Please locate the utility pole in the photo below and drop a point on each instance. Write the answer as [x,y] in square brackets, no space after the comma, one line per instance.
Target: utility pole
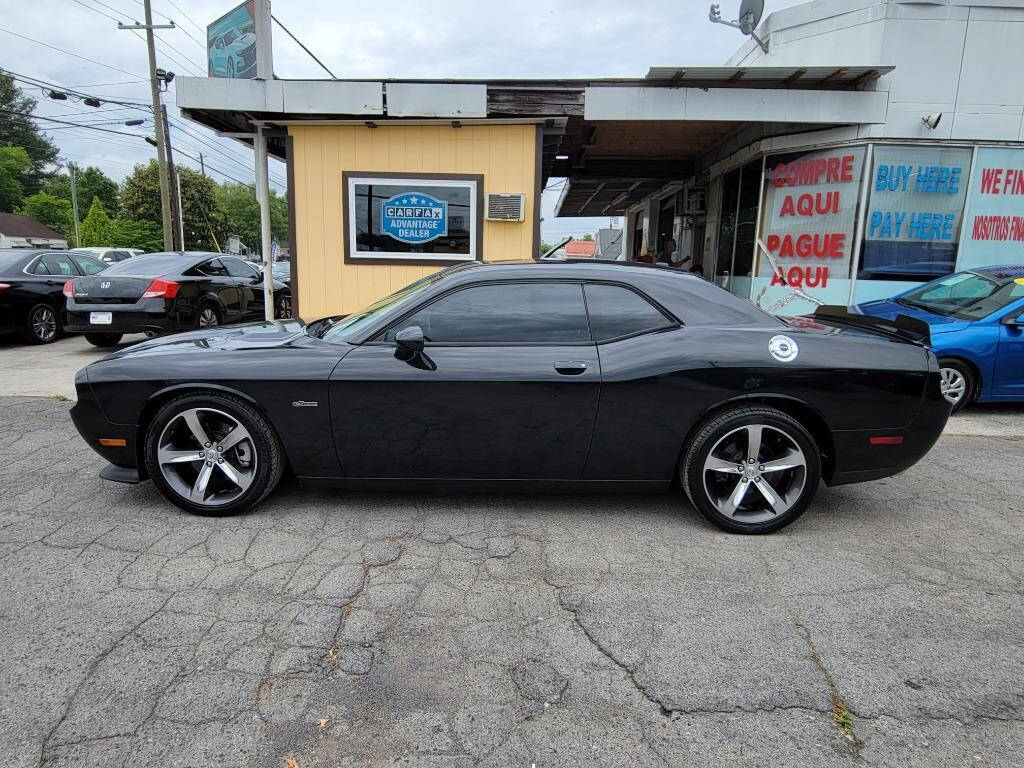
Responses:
[259,146]
[158,118]
[178,243]
[74,204]
[181,216]
[202,166]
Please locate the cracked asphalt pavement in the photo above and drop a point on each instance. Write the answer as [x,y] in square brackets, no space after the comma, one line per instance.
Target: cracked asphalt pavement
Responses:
[329,628]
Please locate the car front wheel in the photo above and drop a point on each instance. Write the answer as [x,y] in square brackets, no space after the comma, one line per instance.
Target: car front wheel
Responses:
[213,454]
[957,383]
[751,470]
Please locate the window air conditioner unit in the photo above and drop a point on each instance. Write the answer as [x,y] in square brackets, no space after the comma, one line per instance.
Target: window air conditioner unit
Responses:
[505,207]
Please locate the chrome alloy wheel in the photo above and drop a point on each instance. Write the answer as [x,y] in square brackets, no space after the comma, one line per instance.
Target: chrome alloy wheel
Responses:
[755,473]
[207,317]
[44,324]
[953,385]
[206,456]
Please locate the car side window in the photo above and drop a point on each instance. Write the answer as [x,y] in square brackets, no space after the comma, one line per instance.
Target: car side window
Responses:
[90,266]
[504,313]
[212,268]
[616,312]
[58,264]
[238,268]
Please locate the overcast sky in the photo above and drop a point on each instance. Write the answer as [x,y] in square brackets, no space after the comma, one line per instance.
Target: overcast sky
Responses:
[442,38]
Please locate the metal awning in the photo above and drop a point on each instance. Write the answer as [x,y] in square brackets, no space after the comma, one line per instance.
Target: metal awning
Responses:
[832,76]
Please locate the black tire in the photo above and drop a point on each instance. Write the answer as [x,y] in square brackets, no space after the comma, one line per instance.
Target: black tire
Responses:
[202,309]
[967,376]
[283,306]
[43,325]
[781,426]
[103,339]
[269,454]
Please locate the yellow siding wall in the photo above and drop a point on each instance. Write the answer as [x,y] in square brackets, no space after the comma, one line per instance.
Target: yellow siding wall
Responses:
[504,154]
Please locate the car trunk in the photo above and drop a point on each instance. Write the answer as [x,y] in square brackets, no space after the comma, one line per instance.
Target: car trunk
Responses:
[110,290]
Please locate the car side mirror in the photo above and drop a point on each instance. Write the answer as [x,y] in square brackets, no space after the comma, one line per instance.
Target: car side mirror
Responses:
[410,340]
[1014,321]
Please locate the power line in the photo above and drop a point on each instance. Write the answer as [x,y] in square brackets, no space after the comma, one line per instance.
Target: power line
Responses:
[35,81]
[185,31]
[311,54]
[242,162]
[187,17]
[69,53]
[65,122]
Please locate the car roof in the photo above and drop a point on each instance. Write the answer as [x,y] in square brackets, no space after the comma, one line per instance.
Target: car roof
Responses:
[1004,273]
[590,269]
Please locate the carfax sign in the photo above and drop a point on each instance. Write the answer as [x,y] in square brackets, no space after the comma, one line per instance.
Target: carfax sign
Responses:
[414,217]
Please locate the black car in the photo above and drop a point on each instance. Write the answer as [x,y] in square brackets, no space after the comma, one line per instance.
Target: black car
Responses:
[537,375]
[162,293]
[31,284]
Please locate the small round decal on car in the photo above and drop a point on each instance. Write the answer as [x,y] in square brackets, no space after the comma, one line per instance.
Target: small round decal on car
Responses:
[783,348]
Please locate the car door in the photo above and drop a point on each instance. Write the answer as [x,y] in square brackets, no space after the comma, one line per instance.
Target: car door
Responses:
[250,286]
[219,282]
[1008,376]
[51,271]
[506,387]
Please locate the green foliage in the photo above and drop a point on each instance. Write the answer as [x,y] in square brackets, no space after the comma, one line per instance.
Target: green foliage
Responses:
[18,130]
[147,235]
[587,236]
[14,162]
[140,193]
[51,211]
[91,182]
[242,214]
[98,229]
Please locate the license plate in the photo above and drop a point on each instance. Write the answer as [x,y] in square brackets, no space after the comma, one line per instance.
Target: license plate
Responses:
[101,318]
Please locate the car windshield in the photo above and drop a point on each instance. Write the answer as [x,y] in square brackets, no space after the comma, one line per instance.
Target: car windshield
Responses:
[346,328]
[150,265]
[964,295]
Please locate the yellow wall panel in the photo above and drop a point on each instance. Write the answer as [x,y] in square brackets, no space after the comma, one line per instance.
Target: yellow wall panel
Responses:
[504,154]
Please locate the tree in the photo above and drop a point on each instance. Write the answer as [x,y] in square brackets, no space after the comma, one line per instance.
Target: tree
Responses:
[18,130]
[147,235]
[14,162]
[204,221]
[98,228]
[51,211]
[91,182]
[587,236]
[242,214]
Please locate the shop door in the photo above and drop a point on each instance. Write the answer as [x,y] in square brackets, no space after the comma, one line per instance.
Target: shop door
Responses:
[666,222]
[741,192]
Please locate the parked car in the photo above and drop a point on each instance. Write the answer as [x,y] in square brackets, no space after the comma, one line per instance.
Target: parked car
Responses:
[31,301]
[109,255]
[977,331]
[283,272]
[535,375]
[167,292]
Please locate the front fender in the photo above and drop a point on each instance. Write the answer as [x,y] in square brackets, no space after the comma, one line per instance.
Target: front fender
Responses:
[977,345]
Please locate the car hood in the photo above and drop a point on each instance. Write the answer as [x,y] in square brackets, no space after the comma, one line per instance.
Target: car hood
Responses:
[265,335]
[889,309]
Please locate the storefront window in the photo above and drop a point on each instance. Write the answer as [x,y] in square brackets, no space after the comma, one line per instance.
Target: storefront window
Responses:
[808,222]
[994,224]
[915,208]
[395,217]
[727,227]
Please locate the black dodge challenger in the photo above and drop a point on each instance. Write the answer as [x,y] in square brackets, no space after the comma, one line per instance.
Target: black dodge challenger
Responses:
[534,375]
[166,292]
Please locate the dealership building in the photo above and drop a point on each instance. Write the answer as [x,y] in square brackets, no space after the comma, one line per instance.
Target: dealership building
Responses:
[875,144]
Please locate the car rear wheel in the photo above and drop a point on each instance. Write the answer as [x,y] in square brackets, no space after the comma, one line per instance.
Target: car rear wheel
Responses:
[283,306]
[207,317]
[213,454]
[43,326]
[751,470]
[103,339]
[957,383]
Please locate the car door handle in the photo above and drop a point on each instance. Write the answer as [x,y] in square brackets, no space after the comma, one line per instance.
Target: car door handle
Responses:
[570,367]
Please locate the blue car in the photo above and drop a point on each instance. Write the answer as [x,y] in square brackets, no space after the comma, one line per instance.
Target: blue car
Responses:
[977,326]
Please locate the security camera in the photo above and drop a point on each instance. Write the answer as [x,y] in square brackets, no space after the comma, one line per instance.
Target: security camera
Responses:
[932,120]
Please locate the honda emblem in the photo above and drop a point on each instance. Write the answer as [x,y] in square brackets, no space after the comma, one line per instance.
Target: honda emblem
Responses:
[105,284]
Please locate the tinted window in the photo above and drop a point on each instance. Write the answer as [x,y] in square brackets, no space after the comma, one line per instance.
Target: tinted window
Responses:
[212,268]
[57,264]
[506,313]
[616,311]
[90,266]
[9,258]
[238,268]
[150,265]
